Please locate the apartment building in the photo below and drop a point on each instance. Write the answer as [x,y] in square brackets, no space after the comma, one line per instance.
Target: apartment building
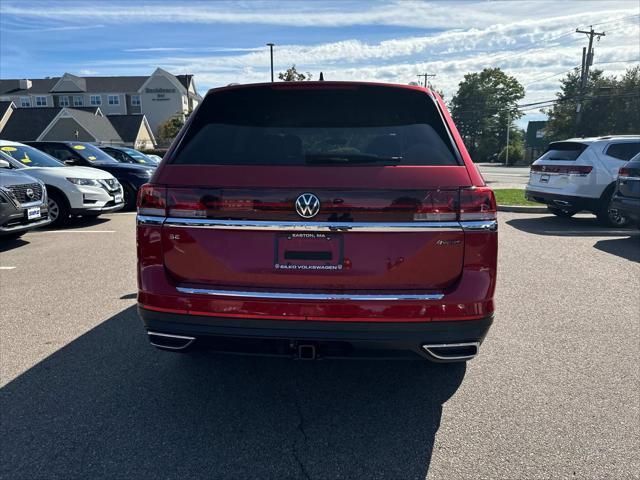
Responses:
[158,96]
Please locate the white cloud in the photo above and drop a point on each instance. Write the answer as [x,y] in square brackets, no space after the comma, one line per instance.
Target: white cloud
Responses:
[536,51]
[416,14]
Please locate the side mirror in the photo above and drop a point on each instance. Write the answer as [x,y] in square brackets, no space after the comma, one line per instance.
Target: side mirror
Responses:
[4,164]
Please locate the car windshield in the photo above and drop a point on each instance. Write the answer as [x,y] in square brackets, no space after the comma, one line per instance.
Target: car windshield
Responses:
[25,156]
[351,125]
[139,157]
[92,154]
[563,151]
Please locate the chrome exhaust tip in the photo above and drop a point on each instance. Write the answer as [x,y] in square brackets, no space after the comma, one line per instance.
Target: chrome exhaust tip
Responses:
[168,341]
[452,352]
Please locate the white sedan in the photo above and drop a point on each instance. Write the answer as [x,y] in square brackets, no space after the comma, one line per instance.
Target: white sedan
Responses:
[71,190]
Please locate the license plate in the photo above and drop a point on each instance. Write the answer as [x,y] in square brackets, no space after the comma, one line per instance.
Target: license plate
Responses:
[117,198]
[544,178]
[308,251]
[33,213]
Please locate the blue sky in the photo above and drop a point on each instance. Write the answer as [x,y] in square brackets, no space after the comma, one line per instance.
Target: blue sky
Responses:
[392,41]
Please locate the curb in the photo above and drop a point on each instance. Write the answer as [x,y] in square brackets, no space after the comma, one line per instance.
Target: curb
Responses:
[522,209]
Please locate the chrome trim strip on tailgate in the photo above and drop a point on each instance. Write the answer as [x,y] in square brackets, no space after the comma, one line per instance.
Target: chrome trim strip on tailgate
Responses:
[484,225]
[312,226]
[149,220]
[310,296]
[275,225]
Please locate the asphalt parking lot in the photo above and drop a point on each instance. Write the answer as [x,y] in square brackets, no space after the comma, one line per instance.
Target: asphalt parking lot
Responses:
[555,392]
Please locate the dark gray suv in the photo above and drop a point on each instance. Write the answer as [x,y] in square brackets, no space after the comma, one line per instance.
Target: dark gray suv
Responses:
[23,202]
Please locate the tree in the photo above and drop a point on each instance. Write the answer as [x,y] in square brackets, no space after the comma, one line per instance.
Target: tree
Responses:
[292,75]
[610,106]
[516,148]
[168,130]
[484,106]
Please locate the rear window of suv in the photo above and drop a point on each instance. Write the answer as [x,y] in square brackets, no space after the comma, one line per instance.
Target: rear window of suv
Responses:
[352,125]
[564,151]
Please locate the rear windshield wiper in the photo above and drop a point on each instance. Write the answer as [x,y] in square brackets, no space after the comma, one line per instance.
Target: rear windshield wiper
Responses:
[350,158]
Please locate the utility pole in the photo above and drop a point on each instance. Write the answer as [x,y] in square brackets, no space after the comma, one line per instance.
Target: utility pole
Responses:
[587,61]
[426,77]
[506,159]
[270,45]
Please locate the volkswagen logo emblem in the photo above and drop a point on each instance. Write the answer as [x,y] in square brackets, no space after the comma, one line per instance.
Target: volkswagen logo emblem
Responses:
[307,205]
[29,193]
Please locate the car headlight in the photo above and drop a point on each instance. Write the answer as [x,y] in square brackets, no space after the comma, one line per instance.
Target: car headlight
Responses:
[84,181]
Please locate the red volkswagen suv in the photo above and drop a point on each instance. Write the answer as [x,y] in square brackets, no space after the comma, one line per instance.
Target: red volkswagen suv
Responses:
[318,219]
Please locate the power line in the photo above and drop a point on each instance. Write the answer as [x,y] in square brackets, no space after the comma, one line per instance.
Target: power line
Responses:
[618,19]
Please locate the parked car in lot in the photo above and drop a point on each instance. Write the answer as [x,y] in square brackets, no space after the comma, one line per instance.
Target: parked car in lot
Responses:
[626,198]
[131,177]
[327,219]
[129,155]
[71,190]
[157,158]
[580,174]
[23,202]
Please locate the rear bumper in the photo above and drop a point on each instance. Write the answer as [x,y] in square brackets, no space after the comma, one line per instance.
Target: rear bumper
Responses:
[332,339]
[629,206]
[562,201]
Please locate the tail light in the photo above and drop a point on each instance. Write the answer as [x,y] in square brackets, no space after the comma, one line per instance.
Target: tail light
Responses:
[152,200]
[438,206]
[581,170]
[477,203]
[624,172]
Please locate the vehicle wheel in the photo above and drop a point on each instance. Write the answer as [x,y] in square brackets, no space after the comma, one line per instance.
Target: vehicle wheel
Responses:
[562,212]
[58,209]
[129,197]
[611,217]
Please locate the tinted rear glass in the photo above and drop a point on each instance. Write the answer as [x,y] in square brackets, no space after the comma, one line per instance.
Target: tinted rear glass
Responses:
[563,151]
[362,125]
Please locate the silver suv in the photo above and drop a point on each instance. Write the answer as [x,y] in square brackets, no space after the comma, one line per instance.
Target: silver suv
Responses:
[23,202]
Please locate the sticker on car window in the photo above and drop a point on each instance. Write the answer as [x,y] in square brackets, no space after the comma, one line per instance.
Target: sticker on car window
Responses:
[142,161]
[91,157]
[8,149]
[26,158]
[79,147]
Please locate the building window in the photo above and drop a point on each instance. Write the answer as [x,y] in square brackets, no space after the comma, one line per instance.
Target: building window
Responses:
[114,100]
[41,101]
[63,101]
[78,101]
[96,100]
[25,102]
[135,100]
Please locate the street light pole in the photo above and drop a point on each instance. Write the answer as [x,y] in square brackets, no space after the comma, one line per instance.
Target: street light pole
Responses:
[270,45]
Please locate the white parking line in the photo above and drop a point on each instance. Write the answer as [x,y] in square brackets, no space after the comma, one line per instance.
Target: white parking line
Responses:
[7,268]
